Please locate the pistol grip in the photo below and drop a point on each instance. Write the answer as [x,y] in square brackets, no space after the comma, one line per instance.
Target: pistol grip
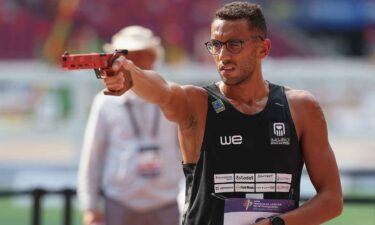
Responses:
[128,83]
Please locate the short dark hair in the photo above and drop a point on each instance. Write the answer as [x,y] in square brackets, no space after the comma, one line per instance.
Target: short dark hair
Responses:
[252,13]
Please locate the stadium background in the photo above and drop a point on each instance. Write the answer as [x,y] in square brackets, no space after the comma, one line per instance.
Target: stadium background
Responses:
[324,46]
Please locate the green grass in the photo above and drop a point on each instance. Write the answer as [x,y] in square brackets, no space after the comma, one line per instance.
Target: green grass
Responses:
[13,213]
[355,214]
[16,214]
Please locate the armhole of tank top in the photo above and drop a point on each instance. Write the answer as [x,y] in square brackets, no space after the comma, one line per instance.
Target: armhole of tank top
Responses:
[210,92]
[289,114]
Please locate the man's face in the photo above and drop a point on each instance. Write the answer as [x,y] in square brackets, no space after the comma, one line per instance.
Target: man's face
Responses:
[235,68]
[144,59]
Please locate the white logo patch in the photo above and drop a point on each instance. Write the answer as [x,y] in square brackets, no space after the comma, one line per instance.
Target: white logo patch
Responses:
[244,177]
[265,187]
[255,195]
[284,177]
[279,129]
[279,133]
[223,178]
[265,177]
[282,187]
[245,187]
[220,188]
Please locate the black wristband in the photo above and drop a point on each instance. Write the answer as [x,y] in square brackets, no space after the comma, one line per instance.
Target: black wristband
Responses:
[276,220]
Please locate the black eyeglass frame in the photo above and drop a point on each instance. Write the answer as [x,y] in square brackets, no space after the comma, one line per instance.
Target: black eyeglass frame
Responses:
[239,41]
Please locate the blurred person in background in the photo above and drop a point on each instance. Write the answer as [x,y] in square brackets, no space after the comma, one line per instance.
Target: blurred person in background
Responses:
[130,150]
[244,140]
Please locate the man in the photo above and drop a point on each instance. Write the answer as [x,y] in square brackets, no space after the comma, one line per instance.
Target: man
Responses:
[130,150]
[244,138]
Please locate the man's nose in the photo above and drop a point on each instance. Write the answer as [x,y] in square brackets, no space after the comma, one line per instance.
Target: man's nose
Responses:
[224,53]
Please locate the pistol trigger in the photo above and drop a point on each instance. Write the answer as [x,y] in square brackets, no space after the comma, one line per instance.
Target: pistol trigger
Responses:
[98,74]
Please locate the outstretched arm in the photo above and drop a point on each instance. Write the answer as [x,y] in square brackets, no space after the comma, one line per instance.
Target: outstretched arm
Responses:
[184,105]
[171,98]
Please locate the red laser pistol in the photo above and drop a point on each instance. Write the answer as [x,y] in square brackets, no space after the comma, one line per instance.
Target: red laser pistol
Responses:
[98,62]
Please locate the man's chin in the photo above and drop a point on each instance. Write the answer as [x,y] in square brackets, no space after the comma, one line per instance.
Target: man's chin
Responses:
[227,80]
[230,82]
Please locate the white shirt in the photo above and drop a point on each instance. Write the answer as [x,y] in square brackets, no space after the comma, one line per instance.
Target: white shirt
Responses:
[111,158]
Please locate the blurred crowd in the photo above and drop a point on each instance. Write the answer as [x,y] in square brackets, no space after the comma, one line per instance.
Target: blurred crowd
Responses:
[45,28]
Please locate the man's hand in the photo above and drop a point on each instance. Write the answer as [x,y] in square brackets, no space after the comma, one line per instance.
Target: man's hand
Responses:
[92,217]
[118,79]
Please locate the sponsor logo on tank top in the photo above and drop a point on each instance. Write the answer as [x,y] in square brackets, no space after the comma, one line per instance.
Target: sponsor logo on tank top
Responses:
[279,133]
[280,187]
[244,187]
[252,182]
[265,177]
[224,178]
[220,188]
[284,177]
[265,187]
[218,106]
[244,177]
[231,140]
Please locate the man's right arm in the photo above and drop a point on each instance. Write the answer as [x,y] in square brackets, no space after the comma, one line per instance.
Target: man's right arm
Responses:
[173,99]
[185,105]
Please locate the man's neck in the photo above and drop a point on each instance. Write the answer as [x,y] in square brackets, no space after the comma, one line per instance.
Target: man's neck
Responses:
[248,97]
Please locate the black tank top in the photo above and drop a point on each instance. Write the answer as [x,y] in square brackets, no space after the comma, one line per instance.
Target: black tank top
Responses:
[243,155]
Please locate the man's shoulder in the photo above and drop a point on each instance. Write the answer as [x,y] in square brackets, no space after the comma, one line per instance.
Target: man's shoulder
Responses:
[193,88]
[304,107]
[195,92]
[301,100]
[298,94]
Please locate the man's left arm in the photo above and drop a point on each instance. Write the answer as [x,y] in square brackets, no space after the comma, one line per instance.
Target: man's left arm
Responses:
[320,163]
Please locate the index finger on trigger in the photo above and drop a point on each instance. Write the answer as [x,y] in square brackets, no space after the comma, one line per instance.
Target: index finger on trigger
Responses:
[118,63]
[103,74]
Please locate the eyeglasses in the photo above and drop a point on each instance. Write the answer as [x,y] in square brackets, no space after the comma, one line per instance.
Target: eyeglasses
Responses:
[233,45]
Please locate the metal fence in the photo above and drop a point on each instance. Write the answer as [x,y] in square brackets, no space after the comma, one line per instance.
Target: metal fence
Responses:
[38,194]
[68,195]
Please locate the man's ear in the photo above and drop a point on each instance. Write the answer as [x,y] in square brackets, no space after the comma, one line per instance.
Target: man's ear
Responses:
[265,48]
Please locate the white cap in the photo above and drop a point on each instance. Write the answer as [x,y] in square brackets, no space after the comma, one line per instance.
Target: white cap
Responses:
[135,38]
